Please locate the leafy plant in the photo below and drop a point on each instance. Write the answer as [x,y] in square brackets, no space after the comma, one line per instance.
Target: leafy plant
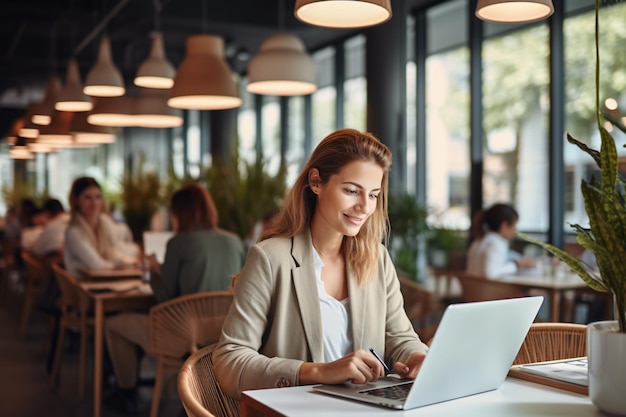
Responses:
[605,204]
[141,197]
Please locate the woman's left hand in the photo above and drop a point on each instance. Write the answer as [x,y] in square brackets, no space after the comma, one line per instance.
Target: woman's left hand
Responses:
[411,367]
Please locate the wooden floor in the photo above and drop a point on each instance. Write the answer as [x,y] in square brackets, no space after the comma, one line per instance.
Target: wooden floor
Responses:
[25,389]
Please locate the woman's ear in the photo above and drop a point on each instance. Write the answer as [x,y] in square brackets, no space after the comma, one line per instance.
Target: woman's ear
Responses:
[314,179]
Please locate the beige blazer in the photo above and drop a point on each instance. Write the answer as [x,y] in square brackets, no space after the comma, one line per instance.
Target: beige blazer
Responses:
[274,324]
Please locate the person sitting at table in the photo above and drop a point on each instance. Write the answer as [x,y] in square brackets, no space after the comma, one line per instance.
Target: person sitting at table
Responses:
[199,257]
[92,240]
[490,254]
[319,289]
[52,237]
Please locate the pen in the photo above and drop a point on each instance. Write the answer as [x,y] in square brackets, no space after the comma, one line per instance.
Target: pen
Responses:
[382,362]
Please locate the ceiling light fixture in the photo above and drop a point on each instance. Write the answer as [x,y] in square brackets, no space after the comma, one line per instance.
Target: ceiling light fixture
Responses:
[43,110]
[151,110]
[20,150]
[203,80]
[113,112]
[282,68]
[29,129]
[57,133]
[514,11]
[104,79]
[85,132]
[38,147]
[156,71]
[71,97]
[343,13]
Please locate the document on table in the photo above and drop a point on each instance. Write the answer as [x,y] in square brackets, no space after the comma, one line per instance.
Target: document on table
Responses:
[573,370]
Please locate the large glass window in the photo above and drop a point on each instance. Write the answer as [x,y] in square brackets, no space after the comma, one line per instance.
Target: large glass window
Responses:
[270,114]
[324,99]
[246,126]
[516,105]
[355,84]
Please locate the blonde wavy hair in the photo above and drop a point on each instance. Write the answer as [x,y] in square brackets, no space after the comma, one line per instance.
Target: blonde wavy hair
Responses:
[329,157]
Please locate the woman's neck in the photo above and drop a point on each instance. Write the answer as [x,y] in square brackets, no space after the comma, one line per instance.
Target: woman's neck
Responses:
[326,242]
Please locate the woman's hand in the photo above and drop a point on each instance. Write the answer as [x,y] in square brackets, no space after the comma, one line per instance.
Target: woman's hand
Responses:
[411,367]
[359,367]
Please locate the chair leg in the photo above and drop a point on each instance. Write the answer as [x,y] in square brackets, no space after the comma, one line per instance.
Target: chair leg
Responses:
[27,309]
[54,375]
[82,360]
[158,388]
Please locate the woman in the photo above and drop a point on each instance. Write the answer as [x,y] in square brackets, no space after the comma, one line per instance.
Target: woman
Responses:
[319,289]
[199,257]
[92,238]
[489,254]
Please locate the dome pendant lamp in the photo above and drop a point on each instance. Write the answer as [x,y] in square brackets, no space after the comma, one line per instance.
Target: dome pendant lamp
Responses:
[104,79]
[152,110]
[71,96]
[282,68]
[514,11]
[203,80]
[42,112]
[57,133]
[343,13]
[156,71]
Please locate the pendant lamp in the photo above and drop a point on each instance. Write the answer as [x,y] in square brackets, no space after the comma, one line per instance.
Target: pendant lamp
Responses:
[113,111]
[38,147]
[20,150]
[43,110]
[57,133]
[104,79]
[84,132]
[282,68]
[156,71]
[29,130]
[514,11]
[151,110]
[71,96]
[203,80]
[343,13]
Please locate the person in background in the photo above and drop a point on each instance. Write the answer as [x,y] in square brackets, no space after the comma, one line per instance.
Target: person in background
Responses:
[490,254]
[91,237]
[199,257]
[52,238]
[319,289]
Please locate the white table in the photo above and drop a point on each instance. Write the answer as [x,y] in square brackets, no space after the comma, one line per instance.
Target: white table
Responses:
[514,398]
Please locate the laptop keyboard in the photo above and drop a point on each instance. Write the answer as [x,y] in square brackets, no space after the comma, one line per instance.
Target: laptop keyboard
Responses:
[392,392]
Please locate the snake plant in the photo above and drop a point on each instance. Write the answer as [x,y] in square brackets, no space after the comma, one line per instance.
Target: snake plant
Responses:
[605,204]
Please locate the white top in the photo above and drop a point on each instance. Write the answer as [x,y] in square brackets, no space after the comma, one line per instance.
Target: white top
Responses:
[53,236]
[335,318]
[490,256]
[514,398]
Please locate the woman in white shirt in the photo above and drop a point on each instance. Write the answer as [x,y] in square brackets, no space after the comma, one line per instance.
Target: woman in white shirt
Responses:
[489,254]
[92,239]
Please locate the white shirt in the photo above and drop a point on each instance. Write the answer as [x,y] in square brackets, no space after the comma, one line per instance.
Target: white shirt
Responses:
[53,236]
[335,318]
[490,256]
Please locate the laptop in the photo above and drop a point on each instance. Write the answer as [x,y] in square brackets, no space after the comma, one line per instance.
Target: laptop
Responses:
[155,243]
[471,352]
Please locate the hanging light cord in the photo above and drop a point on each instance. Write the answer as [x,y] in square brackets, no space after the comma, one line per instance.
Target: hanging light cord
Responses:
[96,30]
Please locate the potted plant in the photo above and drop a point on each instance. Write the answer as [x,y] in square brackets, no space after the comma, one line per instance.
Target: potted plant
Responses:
[605,204]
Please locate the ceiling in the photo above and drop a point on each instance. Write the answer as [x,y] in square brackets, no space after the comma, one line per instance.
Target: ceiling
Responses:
[38,36]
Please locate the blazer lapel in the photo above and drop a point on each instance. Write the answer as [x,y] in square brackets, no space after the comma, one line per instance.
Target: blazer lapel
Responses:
[305,285]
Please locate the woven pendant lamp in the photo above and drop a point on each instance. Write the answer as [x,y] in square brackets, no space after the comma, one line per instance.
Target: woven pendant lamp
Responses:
[282,68]
[343,13]
[203,80]
[514,11]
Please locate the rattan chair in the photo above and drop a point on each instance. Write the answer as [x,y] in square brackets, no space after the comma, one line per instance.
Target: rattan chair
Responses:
[199,391]
[38,272]
[73,315]
[481,288]
[179,327]
[553,341]
[421,305]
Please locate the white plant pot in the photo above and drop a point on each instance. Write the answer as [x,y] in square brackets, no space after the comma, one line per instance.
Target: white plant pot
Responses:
[606,351]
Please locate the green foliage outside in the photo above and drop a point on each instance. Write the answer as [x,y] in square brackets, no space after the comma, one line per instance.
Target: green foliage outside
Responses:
[14,195]
[605,204]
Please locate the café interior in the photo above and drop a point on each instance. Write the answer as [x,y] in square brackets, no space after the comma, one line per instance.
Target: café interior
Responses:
[475,107]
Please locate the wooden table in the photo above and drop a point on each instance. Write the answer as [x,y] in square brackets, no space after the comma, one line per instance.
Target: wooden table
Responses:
[515,398]
[106,296]
[554,285]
